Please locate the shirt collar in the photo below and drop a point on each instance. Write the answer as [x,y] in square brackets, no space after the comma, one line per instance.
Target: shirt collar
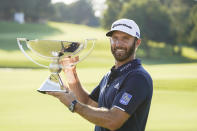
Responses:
[126,67]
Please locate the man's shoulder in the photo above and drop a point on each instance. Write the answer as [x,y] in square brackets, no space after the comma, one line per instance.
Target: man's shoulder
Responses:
[140,71]
[140,75]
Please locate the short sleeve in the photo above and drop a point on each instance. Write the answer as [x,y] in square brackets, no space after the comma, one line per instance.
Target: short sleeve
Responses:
[134,92]
[95,93]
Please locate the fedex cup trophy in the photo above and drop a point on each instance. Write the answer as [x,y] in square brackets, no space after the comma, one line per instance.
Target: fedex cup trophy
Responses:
[54,51]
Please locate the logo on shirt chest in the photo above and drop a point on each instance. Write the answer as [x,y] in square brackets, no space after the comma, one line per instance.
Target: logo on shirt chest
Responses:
[117,86]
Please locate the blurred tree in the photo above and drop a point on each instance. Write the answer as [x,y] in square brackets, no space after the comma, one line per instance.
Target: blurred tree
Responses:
[193,24]
[112,12]
[34,10]
[83,13]
[7,9]
[179,11]
[79,12]
[189,3]
[62,12]
[39,10]
[153,20]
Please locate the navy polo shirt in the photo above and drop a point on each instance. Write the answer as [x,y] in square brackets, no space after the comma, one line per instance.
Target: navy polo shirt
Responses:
[128,88]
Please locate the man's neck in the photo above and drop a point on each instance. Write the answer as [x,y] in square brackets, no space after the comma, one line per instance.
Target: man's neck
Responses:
[120,63]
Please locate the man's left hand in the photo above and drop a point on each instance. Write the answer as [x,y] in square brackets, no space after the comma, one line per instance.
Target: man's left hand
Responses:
[65,98]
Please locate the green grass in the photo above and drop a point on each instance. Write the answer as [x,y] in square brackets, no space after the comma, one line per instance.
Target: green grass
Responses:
[22,108]
[173,111]
[175,76]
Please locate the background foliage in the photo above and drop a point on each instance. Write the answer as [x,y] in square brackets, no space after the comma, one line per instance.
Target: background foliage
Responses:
[170,21]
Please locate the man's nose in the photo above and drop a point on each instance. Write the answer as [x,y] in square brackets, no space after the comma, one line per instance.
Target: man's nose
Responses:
[119,43]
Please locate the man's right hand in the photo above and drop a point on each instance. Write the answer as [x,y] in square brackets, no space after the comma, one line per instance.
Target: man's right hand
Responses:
[74,83]
[69,68]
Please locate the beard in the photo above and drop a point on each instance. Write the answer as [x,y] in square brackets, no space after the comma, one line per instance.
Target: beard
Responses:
[124,54]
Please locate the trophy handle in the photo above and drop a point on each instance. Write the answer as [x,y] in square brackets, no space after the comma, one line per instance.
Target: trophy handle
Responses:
[27,56]
[86,55]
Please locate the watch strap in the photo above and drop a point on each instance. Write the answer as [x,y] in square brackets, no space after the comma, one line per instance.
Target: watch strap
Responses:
[72,105]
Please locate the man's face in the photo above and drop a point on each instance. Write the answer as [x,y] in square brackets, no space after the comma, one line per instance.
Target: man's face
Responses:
[122,46]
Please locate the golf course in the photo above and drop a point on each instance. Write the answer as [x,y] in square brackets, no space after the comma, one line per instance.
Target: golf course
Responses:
[22,108]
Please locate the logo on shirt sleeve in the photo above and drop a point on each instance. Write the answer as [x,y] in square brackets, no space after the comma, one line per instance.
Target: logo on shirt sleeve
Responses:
[126,97]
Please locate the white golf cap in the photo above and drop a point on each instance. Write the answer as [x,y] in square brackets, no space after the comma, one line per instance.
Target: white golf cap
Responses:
[126,26]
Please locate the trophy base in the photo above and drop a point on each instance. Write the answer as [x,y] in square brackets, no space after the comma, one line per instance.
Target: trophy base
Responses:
[49,86]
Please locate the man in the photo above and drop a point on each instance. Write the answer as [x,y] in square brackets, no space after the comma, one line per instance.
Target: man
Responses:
[122,100]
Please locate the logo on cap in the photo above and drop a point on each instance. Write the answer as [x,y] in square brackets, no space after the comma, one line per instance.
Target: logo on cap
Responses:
[137,34]
[115,25]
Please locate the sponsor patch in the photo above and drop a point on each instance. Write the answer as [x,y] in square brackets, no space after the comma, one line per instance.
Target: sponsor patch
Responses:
[126,97]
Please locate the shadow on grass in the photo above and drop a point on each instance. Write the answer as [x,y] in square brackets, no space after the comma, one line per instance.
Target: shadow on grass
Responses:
[10,31]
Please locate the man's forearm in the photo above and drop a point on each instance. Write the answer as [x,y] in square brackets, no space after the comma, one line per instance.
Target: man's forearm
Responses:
[99,116]
[81,94]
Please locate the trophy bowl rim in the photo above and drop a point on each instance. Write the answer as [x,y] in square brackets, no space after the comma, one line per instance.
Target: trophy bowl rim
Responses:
[55,40]
[54,57]
[45,40]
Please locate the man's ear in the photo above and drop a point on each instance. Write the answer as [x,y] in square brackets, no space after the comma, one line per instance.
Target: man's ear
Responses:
[138,42]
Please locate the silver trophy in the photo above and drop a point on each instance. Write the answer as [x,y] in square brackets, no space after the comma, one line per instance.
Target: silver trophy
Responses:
[53,51]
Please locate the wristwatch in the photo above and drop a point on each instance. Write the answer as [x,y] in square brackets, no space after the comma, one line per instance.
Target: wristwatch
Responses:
[72,105]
